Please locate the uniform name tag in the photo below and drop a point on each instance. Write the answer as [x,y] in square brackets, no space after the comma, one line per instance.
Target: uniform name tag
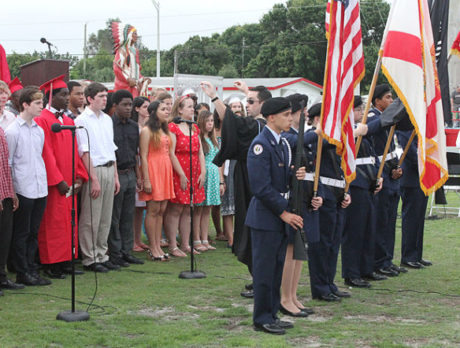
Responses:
[280,164]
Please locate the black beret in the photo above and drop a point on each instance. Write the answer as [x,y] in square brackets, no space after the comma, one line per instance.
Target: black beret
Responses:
[380,91]
[274,106]
[358,101]
[296,101]
[314,111]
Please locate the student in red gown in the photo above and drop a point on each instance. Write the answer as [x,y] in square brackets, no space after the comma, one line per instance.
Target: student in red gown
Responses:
[54,236]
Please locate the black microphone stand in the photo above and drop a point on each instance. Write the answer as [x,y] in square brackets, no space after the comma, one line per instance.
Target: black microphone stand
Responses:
[73,315]
[192,274]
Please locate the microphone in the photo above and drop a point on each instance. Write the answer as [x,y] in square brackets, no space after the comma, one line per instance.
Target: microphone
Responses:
[178,120]
[56,127]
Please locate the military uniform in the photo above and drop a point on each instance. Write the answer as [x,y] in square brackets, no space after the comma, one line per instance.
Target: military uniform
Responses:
[269,172]
[323,254]
[388,200]
[358,238]
[414,204]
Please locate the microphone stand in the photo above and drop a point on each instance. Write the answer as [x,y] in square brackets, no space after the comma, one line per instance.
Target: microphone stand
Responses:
[73,315]
[192,274]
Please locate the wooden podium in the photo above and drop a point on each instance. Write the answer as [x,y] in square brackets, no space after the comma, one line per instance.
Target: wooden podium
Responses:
[39,71]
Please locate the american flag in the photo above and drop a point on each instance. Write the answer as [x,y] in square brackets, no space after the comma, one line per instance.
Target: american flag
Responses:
[344,70]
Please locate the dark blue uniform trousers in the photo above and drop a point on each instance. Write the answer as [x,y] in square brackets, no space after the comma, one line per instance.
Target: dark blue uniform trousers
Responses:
[268,254]
[358,238]
[414,204]
[387,211]
[322,255]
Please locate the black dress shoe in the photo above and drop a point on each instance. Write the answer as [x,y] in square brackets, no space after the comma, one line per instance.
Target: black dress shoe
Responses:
[388,271]
[307,310]
[119,261]
[328,298]
[426,262]
[398,269]
[284,324]
[357,283]
[270,328]
[10,285]
[375,276]
[96,267]
[132,259]
[110,266]
[68,270]
[54,274]
[299,314]
[343,294]
[41,281]
[249,287]
[26,279]
[247,293]
[413,264]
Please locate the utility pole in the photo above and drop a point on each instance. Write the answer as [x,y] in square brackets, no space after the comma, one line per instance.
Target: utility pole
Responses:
[242,58]
[157,6]
[85,55]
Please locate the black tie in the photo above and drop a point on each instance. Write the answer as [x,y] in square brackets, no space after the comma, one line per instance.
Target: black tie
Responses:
[59,114]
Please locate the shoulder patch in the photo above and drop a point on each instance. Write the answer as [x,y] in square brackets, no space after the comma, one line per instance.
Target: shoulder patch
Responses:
[258,149]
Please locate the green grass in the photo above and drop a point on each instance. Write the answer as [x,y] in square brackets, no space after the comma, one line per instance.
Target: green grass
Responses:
[149,306]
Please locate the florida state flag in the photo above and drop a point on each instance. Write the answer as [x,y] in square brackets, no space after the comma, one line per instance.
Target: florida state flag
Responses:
[456,46]
[409,63]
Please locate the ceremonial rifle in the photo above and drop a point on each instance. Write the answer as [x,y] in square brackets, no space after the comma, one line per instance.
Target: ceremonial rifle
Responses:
[297,192]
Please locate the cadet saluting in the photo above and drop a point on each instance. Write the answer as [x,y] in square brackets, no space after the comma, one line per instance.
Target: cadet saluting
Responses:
[269,171]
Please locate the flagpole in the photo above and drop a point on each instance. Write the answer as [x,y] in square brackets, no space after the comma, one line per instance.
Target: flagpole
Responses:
[406,149]
[385,152]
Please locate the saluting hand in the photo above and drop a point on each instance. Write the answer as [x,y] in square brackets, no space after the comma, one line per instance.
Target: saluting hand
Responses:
[295,221]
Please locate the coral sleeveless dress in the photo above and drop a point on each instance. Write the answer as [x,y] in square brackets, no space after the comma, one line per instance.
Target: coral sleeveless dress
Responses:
[182,154]
[160,173]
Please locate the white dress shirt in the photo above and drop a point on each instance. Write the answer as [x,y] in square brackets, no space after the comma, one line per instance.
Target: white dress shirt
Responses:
[25,146]
[100,129]
[6,119]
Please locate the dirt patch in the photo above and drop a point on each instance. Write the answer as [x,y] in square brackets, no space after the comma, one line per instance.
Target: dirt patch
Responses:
[234,324]
[383,319]
[165,313]
[207,308]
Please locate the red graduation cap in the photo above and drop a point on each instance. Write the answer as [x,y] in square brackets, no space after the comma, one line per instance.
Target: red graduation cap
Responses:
[15,85]
[55,83]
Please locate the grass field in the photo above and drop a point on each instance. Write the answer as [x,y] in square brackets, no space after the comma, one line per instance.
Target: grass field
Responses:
[149,306]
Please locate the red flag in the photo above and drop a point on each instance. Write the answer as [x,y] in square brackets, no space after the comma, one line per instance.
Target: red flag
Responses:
[409,63]
[456,46]
[344,70]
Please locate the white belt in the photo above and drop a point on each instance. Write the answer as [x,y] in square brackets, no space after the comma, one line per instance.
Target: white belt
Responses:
[309,177]
[332,182]
[285,195]
[390,156]
[365,160]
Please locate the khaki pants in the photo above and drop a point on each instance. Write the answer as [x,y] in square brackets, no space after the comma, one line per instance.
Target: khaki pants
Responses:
[93,236]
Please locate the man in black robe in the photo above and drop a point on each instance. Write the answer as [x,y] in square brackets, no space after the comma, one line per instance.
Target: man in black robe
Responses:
[237,135]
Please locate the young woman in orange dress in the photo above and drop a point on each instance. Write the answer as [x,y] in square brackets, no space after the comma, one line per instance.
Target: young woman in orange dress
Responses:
[157,152]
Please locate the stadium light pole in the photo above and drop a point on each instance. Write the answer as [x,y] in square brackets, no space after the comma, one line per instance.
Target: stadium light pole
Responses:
[157,7]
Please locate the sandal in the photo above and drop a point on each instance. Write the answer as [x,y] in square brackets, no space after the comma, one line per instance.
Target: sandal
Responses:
[164,243]
[177,252]
[221,237]
[152,257]
[199,246]
[187,251]
[207,245]
[138,249]
[144,246]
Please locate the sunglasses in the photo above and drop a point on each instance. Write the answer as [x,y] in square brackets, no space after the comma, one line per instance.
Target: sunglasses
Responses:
[251,101]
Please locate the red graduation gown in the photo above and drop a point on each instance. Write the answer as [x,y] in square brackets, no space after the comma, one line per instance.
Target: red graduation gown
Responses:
[54,236]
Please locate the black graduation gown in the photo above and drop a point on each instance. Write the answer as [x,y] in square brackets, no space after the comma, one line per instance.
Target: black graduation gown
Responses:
[237,136]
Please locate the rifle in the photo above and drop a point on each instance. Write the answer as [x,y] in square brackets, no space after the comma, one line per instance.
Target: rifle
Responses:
[300,244]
